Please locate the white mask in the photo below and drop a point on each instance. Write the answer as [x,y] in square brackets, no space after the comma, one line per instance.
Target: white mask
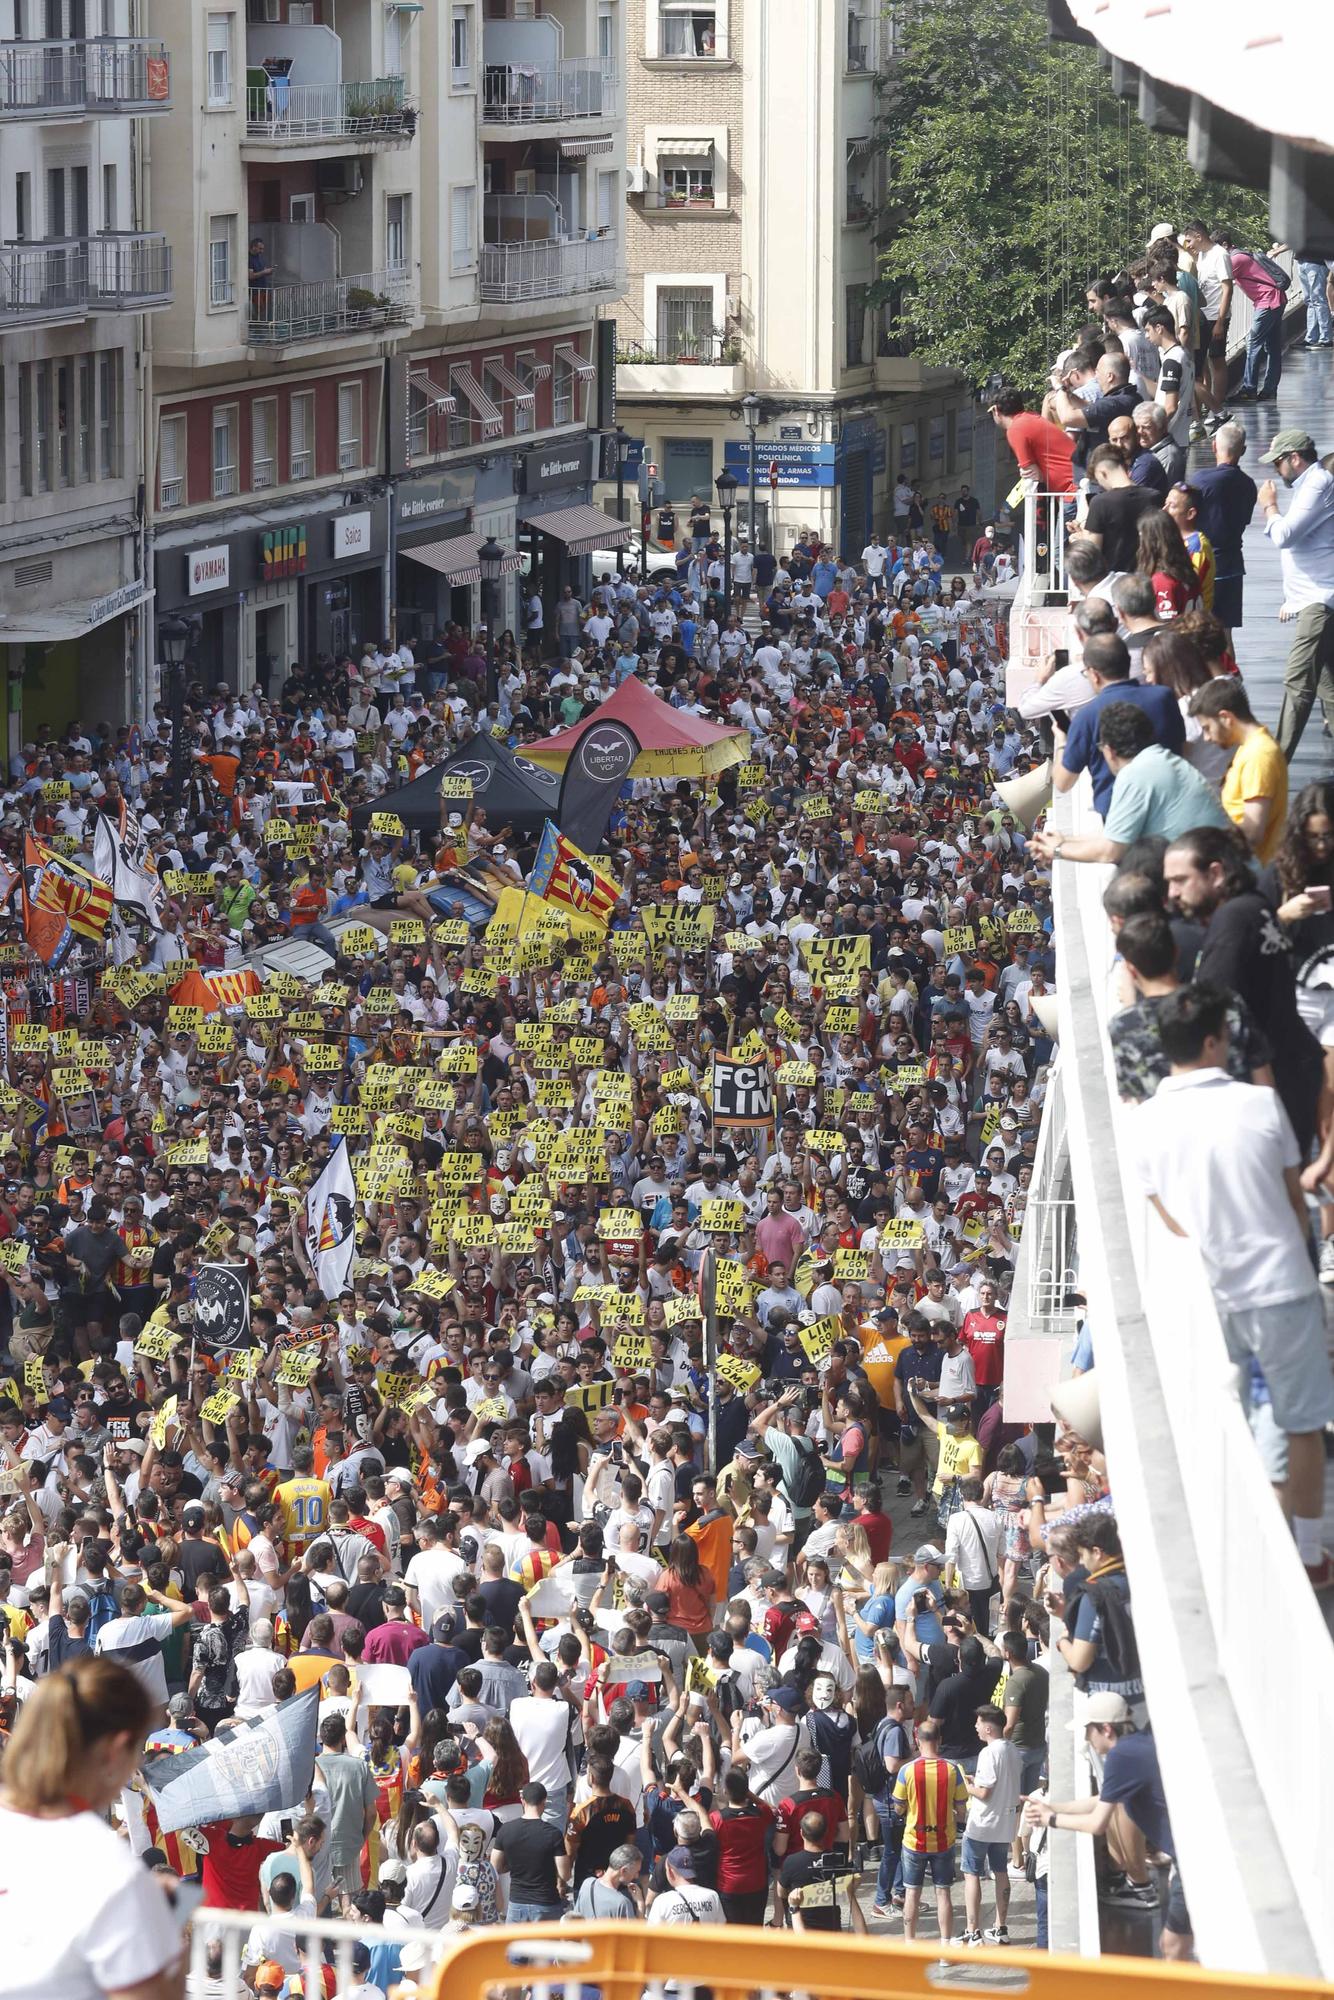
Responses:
[824,1689]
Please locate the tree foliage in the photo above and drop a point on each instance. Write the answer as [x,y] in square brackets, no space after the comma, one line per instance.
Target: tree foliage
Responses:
[1014,175]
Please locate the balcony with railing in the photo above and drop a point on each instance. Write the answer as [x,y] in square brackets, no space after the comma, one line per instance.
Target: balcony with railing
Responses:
[551,268]
[370,303]
[103,77]
[41,283]
[128,271]
[300,116]
[698,363]
[571,88]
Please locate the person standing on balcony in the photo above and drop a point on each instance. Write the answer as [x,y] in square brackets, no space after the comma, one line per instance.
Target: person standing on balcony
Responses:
[1304,538]
[1044,452]
[1227,502]
[1221,1164]
[1107,665]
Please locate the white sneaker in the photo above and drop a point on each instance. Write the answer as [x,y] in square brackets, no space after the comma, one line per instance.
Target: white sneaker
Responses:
[1327,1261]
[996,1934]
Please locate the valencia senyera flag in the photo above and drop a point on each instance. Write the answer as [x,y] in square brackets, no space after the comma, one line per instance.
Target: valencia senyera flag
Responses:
[563,873]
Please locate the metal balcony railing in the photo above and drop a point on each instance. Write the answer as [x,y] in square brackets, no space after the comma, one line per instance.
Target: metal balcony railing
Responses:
[553,268]
[296,114]
[366,303]
[107,76]
[535,93]
[859,55]
[128,271]
[43,281]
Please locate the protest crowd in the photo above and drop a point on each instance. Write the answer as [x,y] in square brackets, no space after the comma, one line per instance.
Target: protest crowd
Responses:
[505,1422]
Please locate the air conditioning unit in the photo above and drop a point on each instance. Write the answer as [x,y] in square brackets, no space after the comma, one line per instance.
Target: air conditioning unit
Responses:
[338,179]
[636,178]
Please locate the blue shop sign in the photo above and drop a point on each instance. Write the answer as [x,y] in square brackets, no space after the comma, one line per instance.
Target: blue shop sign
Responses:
[798,464]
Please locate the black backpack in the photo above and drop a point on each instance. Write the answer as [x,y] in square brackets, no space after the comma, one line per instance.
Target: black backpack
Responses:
[808,1482]
[868,1759]
[1277,276]
[1120,1647]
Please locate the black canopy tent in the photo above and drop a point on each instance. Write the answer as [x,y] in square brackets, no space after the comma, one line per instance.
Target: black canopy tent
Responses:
[510,790]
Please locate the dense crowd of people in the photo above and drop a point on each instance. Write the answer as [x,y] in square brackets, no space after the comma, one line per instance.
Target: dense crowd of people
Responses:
[603,1623]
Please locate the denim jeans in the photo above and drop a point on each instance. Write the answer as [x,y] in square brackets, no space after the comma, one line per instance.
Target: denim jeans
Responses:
[557,1808]
[1040,1900]
[534,1913]
[890,1876]
[1319,321]
[1264,352]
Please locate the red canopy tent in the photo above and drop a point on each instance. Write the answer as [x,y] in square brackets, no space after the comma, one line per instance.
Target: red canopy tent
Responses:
[671,743]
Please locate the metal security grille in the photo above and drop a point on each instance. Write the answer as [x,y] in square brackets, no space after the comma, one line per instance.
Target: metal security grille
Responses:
[685,325]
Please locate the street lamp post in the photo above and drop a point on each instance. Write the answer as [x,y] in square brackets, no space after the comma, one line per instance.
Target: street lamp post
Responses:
[173,637]
[750,414]
[726,483]
[622,460]
[491,560]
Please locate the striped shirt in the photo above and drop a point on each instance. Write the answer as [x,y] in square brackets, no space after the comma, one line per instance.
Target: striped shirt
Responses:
[930,1791]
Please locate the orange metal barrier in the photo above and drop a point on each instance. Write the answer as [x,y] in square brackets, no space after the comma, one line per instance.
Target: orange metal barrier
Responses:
[620,1960]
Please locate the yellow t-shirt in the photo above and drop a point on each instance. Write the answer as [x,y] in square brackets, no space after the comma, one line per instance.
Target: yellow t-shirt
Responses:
[305,1505]
[1258,771]
[959,1457]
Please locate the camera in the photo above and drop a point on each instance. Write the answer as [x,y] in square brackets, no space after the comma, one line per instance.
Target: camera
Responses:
[838,1861]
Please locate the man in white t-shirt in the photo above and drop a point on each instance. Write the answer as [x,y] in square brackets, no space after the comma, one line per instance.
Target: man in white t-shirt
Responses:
[1213,275]
[683,1901]
[134,1640]
[989,1829]
[542,1723]
[429,1577]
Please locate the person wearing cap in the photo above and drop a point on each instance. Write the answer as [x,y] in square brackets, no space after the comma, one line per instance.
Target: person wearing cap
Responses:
[685,1900]
[1304,538]
[1129,1812]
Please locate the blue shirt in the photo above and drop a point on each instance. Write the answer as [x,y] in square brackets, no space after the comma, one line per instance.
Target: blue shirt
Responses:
[926,1625]
[880,1613]
[1081,751]
[1304,538]
[1227,501]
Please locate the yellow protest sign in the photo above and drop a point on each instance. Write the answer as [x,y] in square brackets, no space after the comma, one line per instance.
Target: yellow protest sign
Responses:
[155,1344]
[722,1218]
[819,1338]
[295,1369]
[219,1406]
[741,1374]
[795,1075]
[262,1007]
[631,1350]
[841,1020]
[163,1420]
[360,941]
[321,1058]
[853,1265]
[903,1233]
[184,1020]
[188,1153]
[388,825]
[959,937]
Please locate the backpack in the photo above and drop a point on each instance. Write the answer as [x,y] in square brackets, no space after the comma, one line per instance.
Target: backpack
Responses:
[1277,276]
[101,1610]
[808,1482]
[868,1759]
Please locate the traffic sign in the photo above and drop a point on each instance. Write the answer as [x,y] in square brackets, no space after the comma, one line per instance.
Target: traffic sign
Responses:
[773,472]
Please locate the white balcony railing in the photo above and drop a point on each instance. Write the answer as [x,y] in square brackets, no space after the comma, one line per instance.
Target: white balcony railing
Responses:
[551,268]
[283,113]
[118,271]
[1199,1519]
[369,303]
[173,493]
[110,76]
[128,271]
[536,94]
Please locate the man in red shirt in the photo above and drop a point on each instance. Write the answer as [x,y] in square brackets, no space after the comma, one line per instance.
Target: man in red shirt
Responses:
[983,1334]
[742,1825]
[1043,450]
[809,1798]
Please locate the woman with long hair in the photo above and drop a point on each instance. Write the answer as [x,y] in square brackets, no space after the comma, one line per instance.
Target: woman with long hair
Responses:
[1005,1491]
[1162,557]
[508,1772]
[74,1748]
[689,1588]
[1174,661]
[1300,878]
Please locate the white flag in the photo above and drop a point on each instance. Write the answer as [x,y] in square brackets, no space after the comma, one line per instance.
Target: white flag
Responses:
[331,1223]
[123,860]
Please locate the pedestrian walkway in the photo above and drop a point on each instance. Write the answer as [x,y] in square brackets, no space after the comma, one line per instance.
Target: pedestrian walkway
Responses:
[1305,398]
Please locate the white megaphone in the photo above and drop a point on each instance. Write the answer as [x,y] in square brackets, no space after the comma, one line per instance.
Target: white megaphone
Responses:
[1047,1009]
[1076,1403]
[1028,795]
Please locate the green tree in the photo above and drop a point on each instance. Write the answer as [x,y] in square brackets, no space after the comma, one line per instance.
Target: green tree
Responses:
[1014,175]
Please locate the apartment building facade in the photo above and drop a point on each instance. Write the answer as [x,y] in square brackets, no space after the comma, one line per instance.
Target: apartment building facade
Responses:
[398,223]
[747,281]
[82,91]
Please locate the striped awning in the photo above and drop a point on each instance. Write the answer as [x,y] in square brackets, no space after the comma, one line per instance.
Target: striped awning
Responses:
[583,149]
[584,529]
[567,352]
[439,398]
[456,559]
[685,149]
[513,385]
[475,396]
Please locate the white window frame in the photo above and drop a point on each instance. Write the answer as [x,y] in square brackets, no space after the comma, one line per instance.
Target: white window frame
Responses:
[657,149]
[563,375]
[654,36]
[301,208]
[671,281]
[264,464]
[350,437]
[403,228]
[173,427]
[462,24]
[222,234]
[463,258]
[227,475]
[297,469]
[110,414]
[220,80]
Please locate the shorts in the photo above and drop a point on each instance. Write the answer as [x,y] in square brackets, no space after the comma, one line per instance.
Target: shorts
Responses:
[1227,600]
[1206,334]
[985,1857]
[1290,1343]
[916,1865]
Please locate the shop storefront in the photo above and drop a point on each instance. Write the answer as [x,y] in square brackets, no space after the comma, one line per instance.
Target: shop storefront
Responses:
[432,512]
[261,594]
[557,526]
[69,635]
